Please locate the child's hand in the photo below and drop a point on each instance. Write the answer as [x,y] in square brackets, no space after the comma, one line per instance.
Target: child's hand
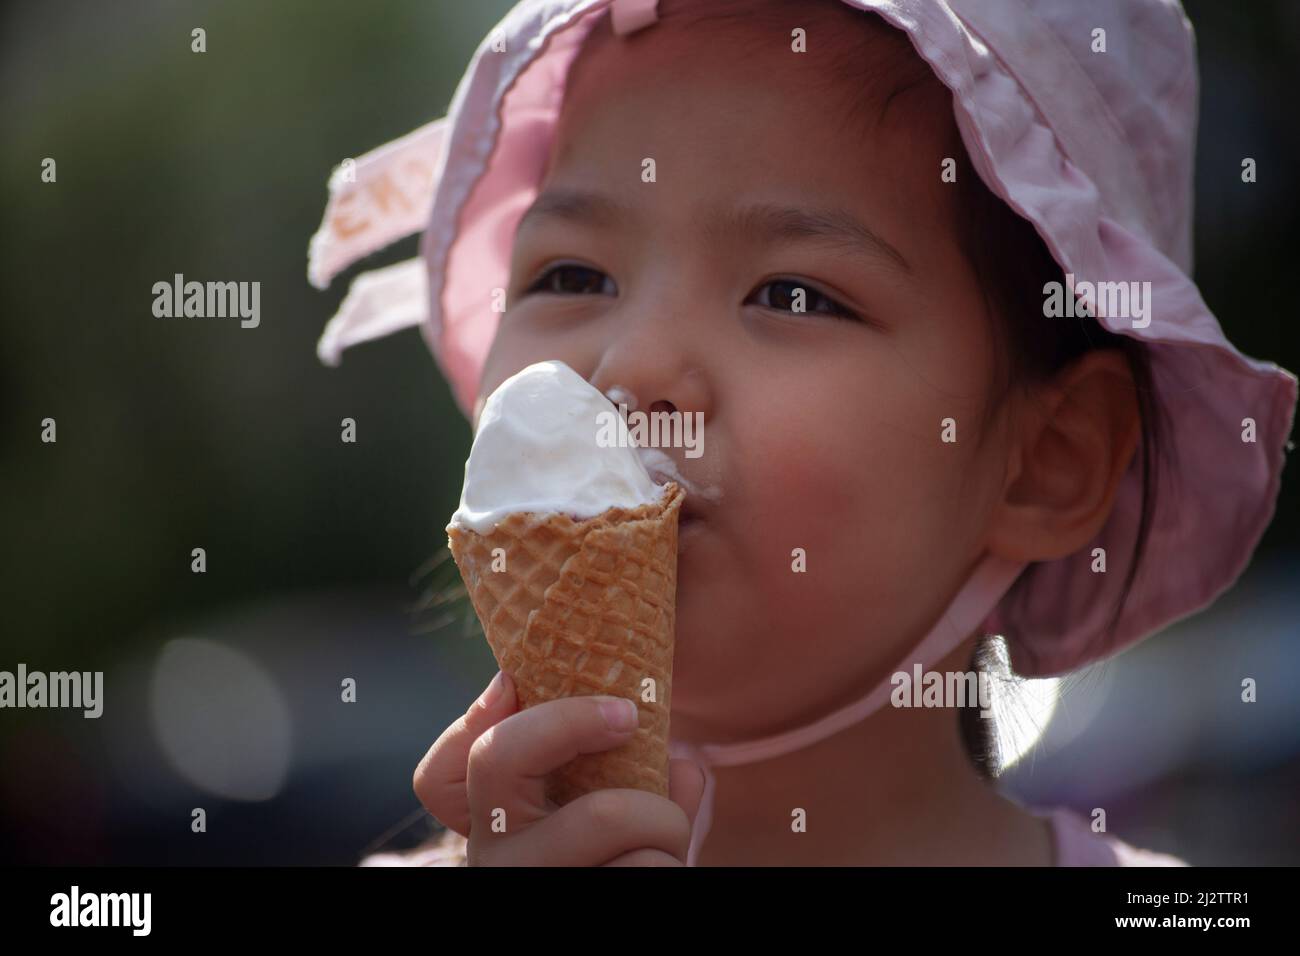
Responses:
[494,760]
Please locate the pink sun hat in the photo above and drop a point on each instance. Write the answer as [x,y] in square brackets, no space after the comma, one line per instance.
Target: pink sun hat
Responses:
[1094,148]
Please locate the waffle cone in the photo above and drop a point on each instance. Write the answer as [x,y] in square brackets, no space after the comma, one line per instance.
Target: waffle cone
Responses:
[584,606]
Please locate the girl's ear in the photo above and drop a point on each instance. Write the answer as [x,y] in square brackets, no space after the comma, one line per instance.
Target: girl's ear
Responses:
[1074,439]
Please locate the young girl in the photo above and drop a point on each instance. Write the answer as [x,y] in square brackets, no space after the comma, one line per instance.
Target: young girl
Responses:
[857,237]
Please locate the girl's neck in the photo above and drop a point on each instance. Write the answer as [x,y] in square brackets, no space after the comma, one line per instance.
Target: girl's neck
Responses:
[896,789]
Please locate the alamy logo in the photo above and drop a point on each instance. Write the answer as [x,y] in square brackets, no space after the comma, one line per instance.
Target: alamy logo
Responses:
[59,689]
[102,909]
[947,689]
[208,300]
[624,429]
[1114,300]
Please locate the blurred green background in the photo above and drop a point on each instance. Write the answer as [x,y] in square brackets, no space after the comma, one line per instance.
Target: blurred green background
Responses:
[181,433]
[176,434]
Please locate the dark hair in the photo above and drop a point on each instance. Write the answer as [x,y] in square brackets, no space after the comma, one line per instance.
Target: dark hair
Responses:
[1014,264]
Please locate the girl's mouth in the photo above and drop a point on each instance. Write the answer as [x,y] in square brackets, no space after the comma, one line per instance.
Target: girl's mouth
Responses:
[690,525]
[690,520]
[688,531]
[661,469]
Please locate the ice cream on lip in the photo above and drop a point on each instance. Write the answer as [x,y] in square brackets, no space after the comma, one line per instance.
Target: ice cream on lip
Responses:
[536,450]
[663,469]
[620,395]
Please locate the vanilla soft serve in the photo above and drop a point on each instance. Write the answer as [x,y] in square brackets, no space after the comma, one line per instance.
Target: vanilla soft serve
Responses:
[537,449]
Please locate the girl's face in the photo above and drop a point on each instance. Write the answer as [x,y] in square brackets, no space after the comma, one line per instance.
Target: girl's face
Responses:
[823,428]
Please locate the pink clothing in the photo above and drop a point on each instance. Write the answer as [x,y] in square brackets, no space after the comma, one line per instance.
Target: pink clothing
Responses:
[448,850]
[1076,844]
[1073,841]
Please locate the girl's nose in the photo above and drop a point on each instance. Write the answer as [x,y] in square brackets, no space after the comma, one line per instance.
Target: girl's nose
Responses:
[652,381]
[659,348]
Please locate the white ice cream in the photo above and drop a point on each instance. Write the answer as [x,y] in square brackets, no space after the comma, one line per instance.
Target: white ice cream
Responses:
[536,449]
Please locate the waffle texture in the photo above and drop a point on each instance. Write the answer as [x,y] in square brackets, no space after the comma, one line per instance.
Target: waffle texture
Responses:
[573,607]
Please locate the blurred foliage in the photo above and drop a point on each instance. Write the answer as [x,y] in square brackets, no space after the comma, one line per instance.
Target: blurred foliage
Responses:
[175,434]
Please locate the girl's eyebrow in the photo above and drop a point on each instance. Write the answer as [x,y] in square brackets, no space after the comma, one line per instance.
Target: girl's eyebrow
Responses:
[775,223]
[576,206]
[767,222]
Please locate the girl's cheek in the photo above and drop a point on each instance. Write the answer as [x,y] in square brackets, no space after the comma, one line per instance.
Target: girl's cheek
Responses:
[852,496]
[805,492]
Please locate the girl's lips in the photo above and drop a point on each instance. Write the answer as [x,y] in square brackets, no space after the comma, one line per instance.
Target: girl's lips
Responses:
[691,519]
[688,530]
[690,512]
[691,504]
[663,469]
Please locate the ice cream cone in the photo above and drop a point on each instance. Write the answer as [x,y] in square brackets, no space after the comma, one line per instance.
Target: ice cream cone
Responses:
[584,606]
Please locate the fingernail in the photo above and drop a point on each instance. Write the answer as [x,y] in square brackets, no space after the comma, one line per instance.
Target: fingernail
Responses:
[619,713]
[493,692]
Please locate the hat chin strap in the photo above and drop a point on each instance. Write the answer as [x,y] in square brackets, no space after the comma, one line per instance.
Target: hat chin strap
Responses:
[969,609]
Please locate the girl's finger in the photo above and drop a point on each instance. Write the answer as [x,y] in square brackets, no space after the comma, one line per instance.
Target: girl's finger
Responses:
[593,829]
[440,779]
[508,763]
[645,857]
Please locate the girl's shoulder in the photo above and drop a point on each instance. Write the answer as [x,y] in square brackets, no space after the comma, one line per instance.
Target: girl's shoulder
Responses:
[446,849]
[1077,844]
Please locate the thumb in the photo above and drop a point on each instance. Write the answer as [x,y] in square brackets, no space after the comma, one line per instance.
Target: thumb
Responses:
[439,780]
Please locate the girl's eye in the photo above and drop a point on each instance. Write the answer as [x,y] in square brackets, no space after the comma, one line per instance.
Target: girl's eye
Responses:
[574,280]
[789,295]
[785,295]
